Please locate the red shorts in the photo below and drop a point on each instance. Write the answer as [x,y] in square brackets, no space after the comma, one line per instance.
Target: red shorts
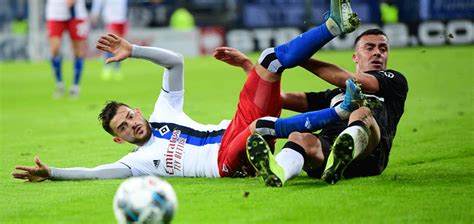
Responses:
[78,29]
[119,29]
[257,99]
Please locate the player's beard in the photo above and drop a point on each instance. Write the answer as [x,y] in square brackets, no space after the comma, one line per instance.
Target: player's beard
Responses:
[145,138]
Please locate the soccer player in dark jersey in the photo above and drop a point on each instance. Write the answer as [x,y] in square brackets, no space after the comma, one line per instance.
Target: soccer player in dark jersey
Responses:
[356,147]
[363,147]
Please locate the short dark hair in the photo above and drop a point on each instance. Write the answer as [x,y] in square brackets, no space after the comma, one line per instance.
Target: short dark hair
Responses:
[108,112]
[374,31]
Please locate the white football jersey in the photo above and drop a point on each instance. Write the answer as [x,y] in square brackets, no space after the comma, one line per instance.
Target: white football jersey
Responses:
[114,11]
[179,146]
[59,11]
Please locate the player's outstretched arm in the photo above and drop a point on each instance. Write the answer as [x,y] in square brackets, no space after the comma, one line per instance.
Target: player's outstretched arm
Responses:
[328,72]
[173,77]
[119,47]
[106,171]
[37,173]
[233,57]
[41,172]
[337,76]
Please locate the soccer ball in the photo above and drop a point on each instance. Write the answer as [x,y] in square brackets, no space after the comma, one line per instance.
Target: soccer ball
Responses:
[146,199]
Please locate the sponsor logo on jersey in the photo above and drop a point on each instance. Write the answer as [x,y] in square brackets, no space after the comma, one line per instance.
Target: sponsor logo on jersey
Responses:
[174,153]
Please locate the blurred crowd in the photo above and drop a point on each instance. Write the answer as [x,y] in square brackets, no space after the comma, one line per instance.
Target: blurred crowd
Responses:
[259,13]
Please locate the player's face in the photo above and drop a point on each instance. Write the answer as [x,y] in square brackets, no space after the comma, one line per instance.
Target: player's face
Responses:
[371,53]
[130,126]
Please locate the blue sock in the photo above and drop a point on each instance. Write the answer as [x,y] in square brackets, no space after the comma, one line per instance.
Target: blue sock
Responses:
[78,66]
[56,63]
[305,122]
[303,47]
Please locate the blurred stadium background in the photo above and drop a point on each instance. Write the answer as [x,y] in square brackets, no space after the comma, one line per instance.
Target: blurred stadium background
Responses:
[249,25]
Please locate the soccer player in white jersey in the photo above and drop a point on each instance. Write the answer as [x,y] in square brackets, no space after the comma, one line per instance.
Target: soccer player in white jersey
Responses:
[114,15]
[70,15]
[170,143]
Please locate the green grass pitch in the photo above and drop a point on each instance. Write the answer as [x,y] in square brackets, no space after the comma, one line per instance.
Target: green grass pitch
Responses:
[429,179]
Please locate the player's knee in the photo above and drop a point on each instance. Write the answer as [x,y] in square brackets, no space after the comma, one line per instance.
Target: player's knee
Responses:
[269,61]
[298,138]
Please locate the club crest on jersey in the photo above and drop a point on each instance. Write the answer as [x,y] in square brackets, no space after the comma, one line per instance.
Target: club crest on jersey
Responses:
[388,74]
[163,130]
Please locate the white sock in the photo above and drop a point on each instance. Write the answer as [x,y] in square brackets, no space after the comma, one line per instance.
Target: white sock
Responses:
[75,88]
[343,114]
[360,136]
[291,161]
[60,85]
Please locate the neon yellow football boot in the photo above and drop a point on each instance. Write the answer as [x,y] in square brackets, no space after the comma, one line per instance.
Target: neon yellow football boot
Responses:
[341,155]
[341,18]
[262,159]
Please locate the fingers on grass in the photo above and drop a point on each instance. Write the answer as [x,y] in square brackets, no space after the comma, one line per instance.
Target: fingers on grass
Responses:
[25,168]
[39,163]
[20,175]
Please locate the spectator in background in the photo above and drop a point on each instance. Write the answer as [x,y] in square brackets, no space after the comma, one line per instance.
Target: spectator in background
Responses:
[388,12]
[114,15]
[70,15]
[182,19]
[19,9]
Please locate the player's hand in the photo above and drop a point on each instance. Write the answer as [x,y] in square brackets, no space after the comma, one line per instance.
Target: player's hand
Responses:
[38,173]
[119,47]
[233,57]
